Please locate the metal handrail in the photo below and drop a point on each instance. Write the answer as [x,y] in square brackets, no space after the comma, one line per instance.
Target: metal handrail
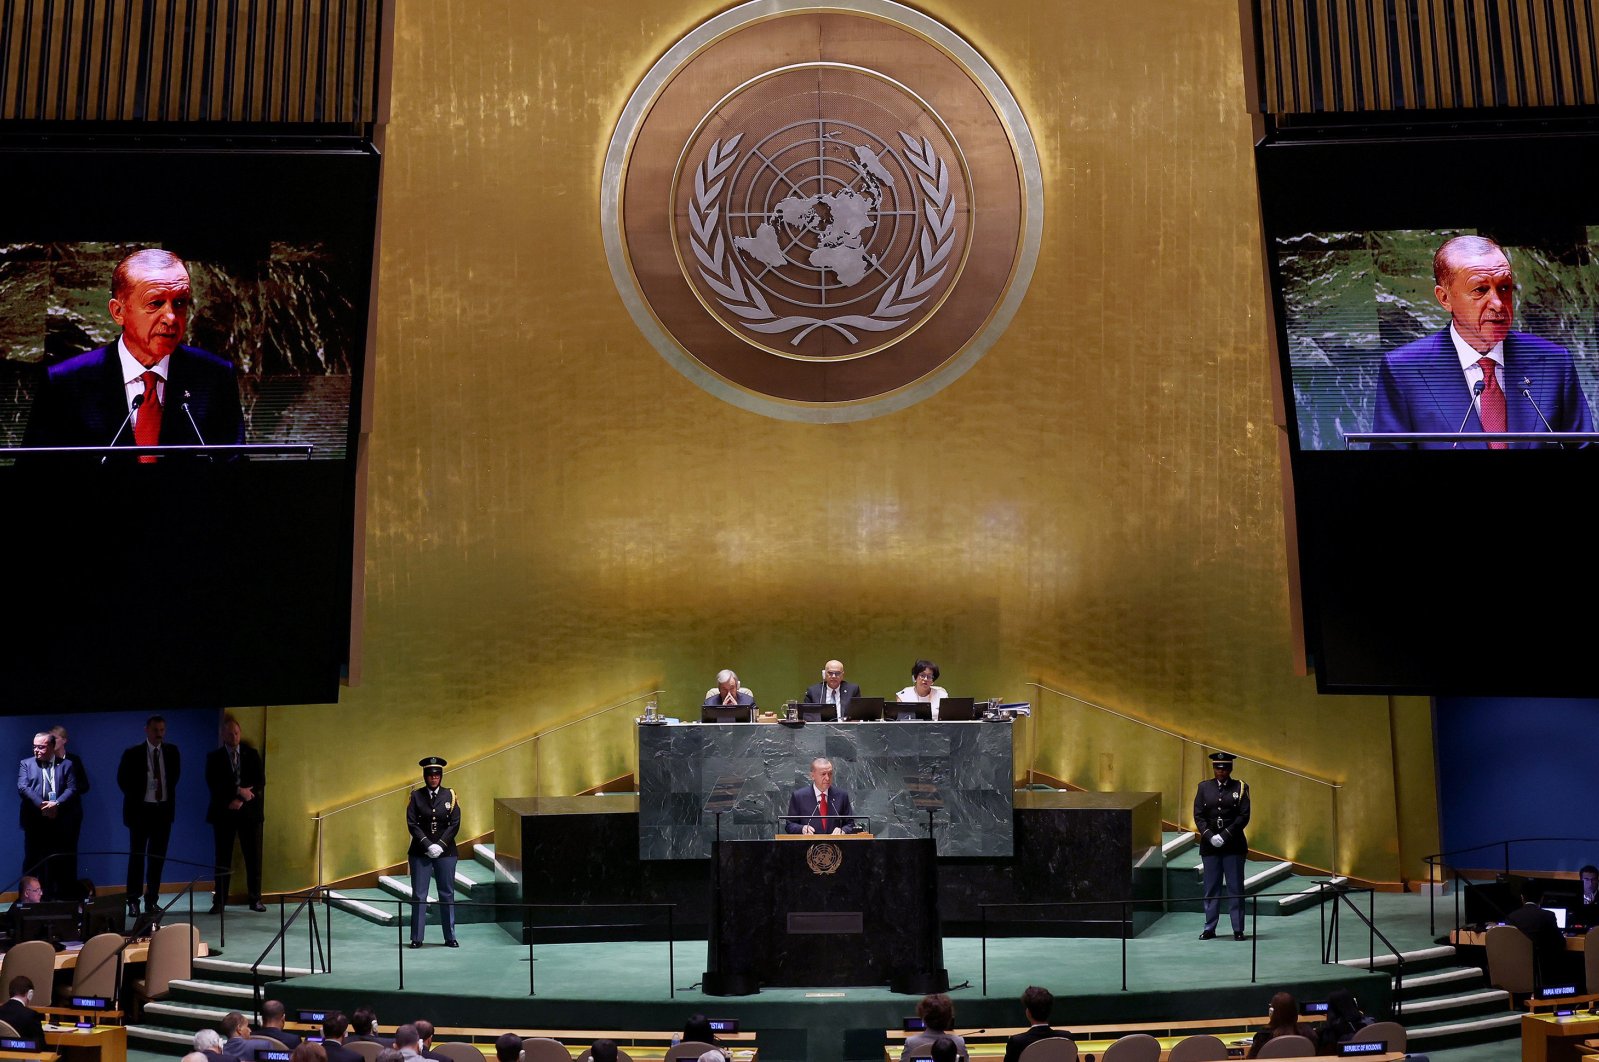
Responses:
[1333,788]
[1329,947]
[307,898]
[1128,906]
[320,818]
[1435,861]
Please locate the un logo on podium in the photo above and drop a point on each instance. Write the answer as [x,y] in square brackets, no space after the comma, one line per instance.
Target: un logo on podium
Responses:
[824,858]
[785,207]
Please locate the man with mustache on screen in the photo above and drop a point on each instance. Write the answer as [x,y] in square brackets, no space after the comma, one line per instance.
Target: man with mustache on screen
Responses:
[1478,375]
[147,388]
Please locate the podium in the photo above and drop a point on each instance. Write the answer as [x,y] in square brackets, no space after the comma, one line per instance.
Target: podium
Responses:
[826,911]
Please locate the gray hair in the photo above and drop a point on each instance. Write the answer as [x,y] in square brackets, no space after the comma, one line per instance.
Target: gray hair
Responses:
[726,675]
[207,1040]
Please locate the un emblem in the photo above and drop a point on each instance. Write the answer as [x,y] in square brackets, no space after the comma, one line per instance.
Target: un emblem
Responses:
[824,858]
[785,208]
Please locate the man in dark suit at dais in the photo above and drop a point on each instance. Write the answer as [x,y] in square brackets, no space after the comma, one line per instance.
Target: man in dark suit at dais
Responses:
[147,388]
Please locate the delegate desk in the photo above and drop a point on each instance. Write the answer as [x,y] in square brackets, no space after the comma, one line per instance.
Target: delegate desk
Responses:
[1473,938]
[1546,1038]
[827,911]
[103,1043]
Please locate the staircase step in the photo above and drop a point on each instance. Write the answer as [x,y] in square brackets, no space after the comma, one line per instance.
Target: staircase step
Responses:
[161,1035]
[348,902]
[399,885]
[1493,1028]
[1308,897]
[484,853]
[1459,1006]
[1453,977]
[1413,959]
[1175,843]
[207,990]
[192,1016]
[235,972]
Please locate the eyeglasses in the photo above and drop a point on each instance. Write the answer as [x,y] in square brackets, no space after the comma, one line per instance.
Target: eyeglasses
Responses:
[835,674]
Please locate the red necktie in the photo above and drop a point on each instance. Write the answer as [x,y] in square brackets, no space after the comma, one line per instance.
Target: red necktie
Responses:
[147,422]
[821,809]
[1492,410]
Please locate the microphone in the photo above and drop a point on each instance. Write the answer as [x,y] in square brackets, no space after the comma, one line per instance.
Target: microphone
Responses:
[186,396]
[1526,389]
[1476,392]
[138,400]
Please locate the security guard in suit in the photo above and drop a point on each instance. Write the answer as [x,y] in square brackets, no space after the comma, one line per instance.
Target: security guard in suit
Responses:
[1221,811]
[434,817]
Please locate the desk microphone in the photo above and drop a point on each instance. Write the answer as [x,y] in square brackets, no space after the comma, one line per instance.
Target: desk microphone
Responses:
[138,400]
[1526,389]
[1476,392]
[186,396]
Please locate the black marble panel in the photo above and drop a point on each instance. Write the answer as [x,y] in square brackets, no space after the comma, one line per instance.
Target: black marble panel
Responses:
[970,764]
[828,912]
[1071,848]
[583,852]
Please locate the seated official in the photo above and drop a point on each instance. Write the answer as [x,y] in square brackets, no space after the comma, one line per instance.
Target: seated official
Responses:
[1344,1020]
[18,1011]
[923,673]
[1589,875]
[208,1045]
[1036,1004]
[820,806]
[832,689]
[29,891]
[508,1048]
[728,694]
[309,1051]
[241,1042]
[938,1014]
[273,1015]
[1282,1019]
[335,1026]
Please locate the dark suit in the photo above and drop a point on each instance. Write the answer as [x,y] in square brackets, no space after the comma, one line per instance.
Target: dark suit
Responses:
[433,816]
[288,1039]
[1015,1045]
[1221,809]
[1548,943]
[71,817]
[243,823]
[1422,388]
[16,1014]
[802,810]
[817,694]
[337,1052]
[44,836]
[83,401]
[149,823]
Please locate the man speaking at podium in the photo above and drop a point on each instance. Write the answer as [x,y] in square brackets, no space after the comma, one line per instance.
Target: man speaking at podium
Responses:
[147,388]
[820,807]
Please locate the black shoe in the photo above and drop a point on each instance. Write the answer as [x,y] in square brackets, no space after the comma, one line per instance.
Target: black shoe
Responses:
[1209,934]
[1238,935]
[415,944]
[216,907]
[258,907]
[133,907]
[452,943]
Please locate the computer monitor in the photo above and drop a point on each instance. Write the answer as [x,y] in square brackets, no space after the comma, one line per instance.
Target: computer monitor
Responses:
[53,920]
[864,709]
[818,713]
[957,709]
[105,914]
[1561,916]
[723,713]
[905,711]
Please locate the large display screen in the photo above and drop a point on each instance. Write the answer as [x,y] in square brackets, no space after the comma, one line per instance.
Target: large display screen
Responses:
[1439,279]
[1372,342]
[231,276]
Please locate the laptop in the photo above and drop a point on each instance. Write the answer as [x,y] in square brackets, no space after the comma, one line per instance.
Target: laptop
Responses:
[904,711]
[957,710]
[728,713]
[864,709]
[818,713]
[1560,914]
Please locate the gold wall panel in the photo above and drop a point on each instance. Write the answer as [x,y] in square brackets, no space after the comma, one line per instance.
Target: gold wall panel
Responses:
[558,520]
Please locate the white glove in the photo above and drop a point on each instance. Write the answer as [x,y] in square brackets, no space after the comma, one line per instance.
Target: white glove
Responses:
[436,850]
[1216,840]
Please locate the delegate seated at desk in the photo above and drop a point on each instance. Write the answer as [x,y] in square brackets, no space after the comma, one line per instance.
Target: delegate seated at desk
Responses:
[819,807]
[17,1012]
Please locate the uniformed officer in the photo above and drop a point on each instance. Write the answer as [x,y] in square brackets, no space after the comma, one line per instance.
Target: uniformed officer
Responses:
[434,817]
[1221,811]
